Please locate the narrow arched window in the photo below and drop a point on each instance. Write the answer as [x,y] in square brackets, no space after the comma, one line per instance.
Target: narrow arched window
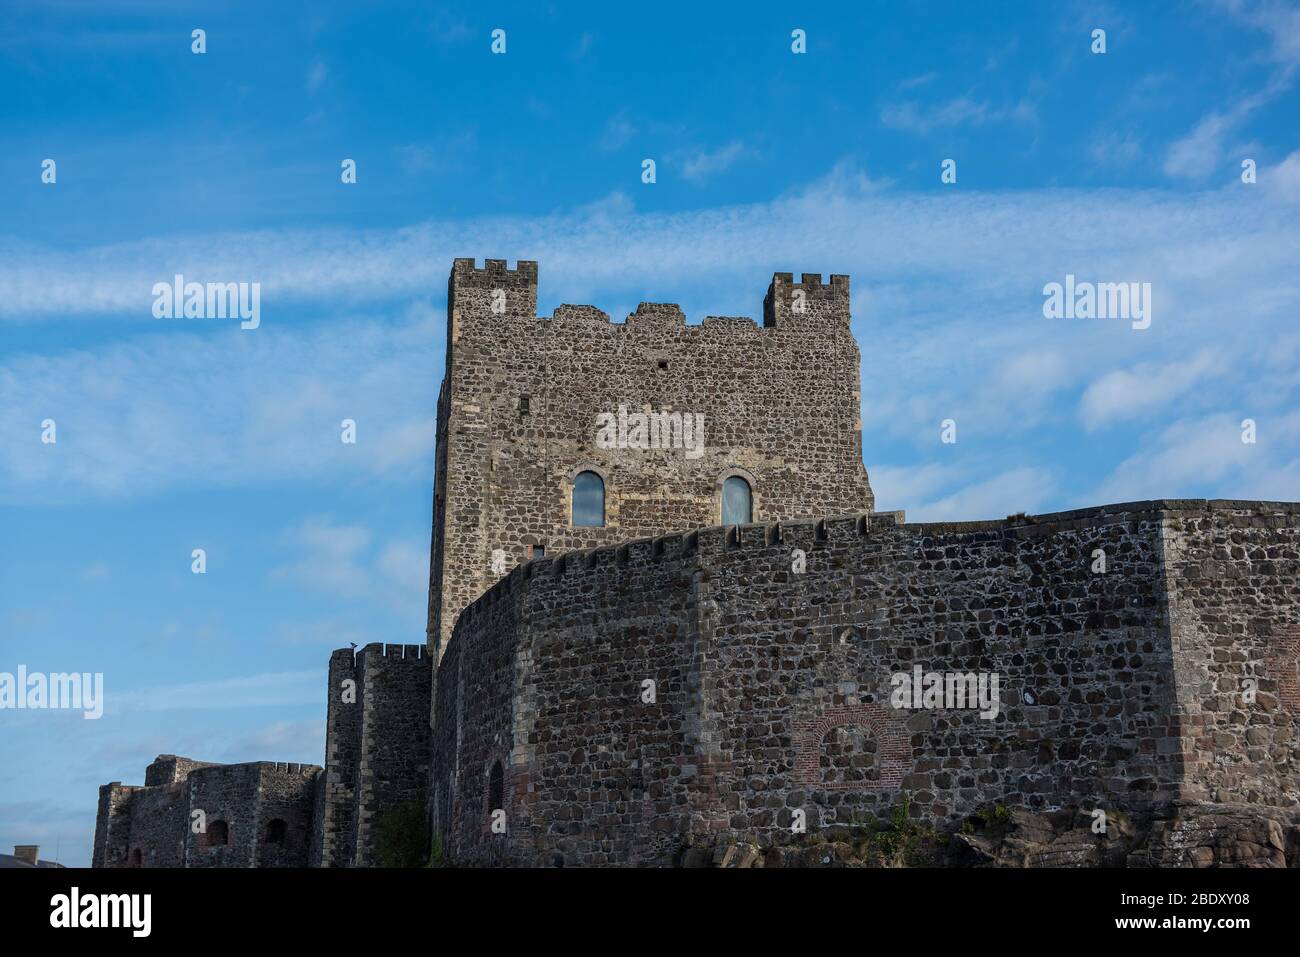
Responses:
[218,834]
[589,500]
[136,859]
[496,788]
[276,831]
[737,502]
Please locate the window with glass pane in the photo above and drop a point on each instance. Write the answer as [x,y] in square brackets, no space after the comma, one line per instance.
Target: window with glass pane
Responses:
[737,502]
[589,499]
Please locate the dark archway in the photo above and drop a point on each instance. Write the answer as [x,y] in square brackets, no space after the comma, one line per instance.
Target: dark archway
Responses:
[218,834]
[496,788]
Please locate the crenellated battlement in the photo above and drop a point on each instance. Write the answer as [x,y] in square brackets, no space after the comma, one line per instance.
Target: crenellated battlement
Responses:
[291,767]
[831,532]
[807,300]
[466,272]
[495,292]
[412,653]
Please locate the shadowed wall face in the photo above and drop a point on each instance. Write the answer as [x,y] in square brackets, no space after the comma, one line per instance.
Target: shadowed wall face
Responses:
[773,687]
[198,814]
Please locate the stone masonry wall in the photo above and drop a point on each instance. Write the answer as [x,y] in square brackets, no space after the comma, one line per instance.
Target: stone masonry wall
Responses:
[150,826]
[516,420]
[112,825]
[1234,582]
[773,686]
[377,745]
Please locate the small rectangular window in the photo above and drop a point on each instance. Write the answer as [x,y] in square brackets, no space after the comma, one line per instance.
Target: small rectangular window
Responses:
[537,551]
[523,405]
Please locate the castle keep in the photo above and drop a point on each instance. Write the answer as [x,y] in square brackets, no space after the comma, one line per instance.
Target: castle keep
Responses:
[517,421]
[654,651]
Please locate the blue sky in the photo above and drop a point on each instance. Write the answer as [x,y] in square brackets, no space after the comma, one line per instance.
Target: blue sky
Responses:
[177,434]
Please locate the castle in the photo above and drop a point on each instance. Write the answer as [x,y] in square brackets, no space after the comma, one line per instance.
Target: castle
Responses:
[665,618]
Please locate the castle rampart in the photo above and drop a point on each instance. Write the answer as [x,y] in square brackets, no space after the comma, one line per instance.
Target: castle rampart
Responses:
[198,814]
[1119,689]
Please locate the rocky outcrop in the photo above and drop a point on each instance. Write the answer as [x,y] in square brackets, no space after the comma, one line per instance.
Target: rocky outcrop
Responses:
[1181,834]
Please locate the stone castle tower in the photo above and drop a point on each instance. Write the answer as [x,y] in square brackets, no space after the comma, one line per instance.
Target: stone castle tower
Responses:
[517,422]
[666,624]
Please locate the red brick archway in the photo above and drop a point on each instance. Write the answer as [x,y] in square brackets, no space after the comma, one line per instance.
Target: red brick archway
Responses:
[1282,661]
[893,756]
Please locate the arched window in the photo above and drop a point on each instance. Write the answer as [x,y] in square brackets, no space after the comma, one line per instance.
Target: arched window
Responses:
[218,834]
[589,500]
[276,831]
[737,502]
[136,859]
[496,788]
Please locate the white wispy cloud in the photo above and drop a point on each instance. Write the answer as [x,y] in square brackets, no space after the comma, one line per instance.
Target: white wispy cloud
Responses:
[948,327]
[916,117]
[267,689]
[1196,155]
[946,493]
[1210,449]
[209,408]
[316,76]
[618,132]
[701,165]
[300,741]
[330,555]
[406,565]
[1146,388]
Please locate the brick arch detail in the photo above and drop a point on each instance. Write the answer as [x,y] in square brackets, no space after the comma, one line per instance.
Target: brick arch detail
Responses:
[1281,662]
[894,756]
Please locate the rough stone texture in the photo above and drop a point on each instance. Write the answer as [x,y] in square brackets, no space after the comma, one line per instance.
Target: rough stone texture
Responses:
[377,745]
[1126,672]
[1233,594]
[781,404]
[1179,834]
[150,825]
[663,691]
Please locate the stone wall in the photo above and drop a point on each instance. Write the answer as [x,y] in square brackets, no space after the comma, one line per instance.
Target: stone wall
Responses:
[151,826]
[337,837]
[773,685]
[516,421]
[1233,593]
[112,825]
[170,768]
[377,745]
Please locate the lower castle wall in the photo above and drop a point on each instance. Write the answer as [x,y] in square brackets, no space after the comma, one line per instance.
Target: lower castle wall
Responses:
[773,686]
[644,699]
[286,792]
[159,822]
[152,826]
